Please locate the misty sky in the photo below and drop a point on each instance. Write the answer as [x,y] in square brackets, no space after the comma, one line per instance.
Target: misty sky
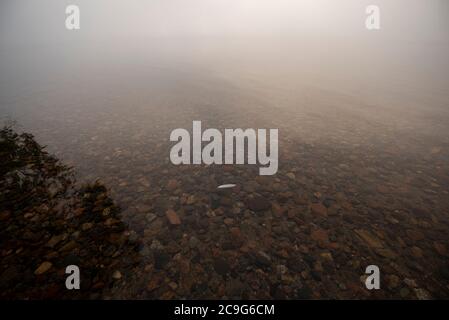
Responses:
[28,20]
[288,39]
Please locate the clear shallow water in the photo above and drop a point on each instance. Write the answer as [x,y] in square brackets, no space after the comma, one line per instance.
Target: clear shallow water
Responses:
[362,151]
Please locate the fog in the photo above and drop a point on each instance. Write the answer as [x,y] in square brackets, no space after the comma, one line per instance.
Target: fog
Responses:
[112,19]
[317,35]
[262,47]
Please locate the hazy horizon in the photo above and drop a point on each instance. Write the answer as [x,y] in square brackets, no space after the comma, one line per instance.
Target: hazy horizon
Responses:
[363,120]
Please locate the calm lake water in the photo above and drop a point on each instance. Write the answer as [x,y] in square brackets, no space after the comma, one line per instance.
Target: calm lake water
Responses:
[363,154]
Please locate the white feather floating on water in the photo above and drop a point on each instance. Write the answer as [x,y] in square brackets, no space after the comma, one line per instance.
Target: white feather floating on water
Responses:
[226,186]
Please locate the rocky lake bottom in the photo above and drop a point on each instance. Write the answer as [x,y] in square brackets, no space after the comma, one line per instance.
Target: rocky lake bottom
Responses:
[357,185]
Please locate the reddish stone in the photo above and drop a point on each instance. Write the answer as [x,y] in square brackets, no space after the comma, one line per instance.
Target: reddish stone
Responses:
[319,209]
[172,217]
[320,235]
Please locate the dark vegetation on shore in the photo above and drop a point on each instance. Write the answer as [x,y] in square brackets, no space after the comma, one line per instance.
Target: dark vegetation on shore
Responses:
[47,223]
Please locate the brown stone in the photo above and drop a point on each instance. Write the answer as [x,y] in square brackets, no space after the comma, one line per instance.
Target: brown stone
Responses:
[54,241]
[318,208]
[370,240]
[87,226]
[111,221]
[153,284]
[386,253]
[258,204]
[416,252]
[382,189]
[172,217]
[440,248]
[415,235]
[320,235]
[172,184]
[44,267]
[228,221]
[327,256]
[235,232]
[277,209]
[68,246]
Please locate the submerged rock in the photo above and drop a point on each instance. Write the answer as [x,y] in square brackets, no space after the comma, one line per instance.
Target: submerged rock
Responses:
[173,217]
[44,267]
[258,203]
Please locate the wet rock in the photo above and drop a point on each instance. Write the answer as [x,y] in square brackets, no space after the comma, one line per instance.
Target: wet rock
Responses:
[154,283]
[415,235]
[172,184]
[228,221]
[106,212]
[416,252]
[319,209]
[143,208]
[54,241]
[385,252]
[156,245]
[172,217]
[117,275]
[150,217]
[440,249]
[327,256]
[226,201]
[258,204]
[262,259]
[320,236]
[44,267]
[68,246]
[111,221]
[369,239]
[86,226]
[277,209]
[173,285]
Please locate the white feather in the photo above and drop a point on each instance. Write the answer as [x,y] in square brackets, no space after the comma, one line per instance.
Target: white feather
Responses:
[226,186]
